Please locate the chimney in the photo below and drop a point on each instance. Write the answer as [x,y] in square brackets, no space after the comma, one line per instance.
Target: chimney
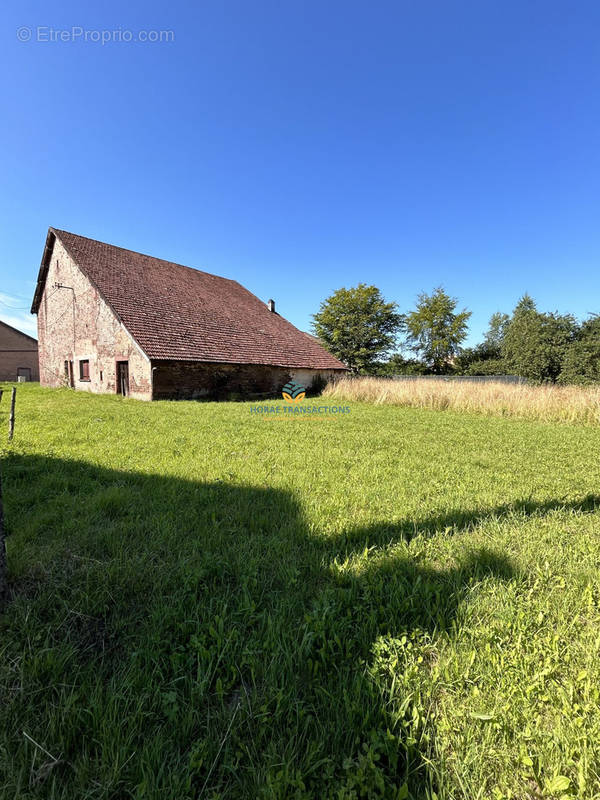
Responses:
[271,305]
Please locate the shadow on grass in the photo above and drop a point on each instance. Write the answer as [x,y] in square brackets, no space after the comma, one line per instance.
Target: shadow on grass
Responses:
[464,520]
[187,639]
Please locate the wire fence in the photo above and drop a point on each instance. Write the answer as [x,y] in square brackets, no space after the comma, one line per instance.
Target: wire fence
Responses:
[462,378]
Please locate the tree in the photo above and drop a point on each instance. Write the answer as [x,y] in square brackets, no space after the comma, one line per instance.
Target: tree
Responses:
[485,358]
[398,365]
[581,363]
[535,344]
[486,366]
[358,326]
[497,327]
[526,303]
[436,330]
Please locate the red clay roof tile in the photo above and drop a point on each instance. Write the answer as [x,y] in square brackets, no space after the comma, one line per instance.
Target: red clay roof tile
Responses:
[176,312]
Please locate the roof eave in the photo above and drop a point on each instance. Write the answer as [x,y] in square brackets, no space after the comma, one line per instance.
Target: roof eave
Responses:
[43,272]
[53,235]
[21,333]
[197,360]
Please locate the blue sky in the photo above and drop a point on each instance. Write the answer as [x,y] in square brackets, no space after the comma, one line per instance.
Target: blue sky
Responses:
[302,146]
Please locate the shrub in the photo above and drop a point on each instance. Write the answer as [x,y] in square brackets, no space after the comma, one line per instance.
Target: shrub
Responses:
[582,358]
[488,366]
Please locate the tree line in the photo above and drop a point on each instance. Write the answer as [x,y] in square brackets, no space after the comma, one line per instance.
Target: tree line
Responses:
[372,337]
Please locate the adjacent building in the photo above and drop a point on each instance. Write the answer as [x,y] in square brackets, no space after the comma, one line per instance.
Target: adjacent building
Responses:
[18,355]
[112,320]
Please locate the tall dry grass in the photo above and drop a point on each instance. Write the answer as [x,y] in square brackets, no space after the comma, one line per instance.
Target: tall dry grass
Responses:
[548,403]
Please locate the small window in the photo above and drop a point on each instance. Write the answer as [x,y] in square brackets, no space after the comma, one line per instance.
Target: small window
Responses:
[101,375]
[66,369]
[84,370]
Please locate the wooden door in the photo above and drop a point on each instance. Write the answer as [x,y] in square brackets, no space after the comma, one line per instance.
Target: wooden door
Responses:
[123,378]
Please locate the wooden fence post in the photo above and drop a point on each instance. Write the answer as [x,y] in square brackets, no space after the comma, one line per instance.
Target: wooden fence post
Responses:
[2,551]
[11,418]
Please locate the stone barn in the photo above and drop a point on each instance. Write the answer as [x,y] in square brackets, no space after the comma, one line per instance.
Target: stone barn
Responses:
[18,355]
[112,320]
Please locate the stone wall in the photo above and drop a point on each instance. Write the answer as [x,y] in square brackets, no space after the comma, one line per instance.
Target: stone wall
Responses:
[76,324]
[196,380]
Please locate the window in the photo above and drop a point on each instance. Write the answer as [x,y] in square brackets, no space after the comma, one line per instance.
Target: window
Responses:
[67,370]
[101,375]
[84,370]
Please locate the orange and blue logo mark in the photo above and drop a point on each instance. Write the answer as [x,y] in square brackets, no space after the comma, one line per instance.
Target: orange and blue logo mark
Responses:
[293,392]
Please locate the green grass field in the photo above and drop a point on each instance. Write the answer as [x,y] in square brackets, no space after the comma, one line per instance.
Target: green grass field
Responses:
[206,603]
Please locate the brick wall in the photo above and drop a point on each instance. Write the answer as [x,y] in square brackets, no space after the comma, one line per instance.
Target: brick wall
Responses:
[76,324]
[17,351]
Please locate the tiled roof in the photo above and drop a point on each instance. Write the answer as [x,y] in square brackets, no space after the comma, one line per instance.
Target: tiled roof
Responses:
[176,312]
[17,332]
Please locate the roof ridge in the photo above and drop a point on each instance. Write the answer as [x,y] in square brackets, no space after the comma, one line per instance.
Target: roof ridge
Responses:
[172,311]
[18,330]
[59,231]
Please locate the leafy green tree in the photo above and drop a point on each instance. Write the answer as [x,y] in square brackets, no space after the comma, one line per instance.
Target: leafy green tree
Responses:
[398,365]
[582,357]
[526,303]
[535,344]
[436,330]
[358,326]
[466,357]
[474,360]
[497,327]
[487,366]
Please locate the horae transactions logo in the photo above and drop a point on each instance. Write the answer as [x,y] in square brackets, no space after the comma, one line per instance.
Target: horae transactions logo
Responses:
[293,392]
